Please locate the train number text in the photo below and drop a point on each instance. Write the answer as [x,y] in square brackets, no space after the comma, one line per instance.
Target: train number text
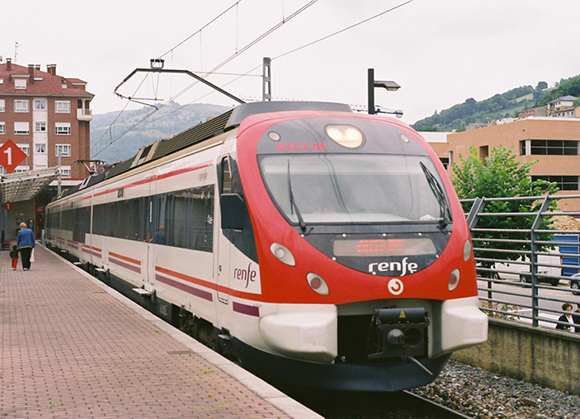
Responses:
[284,147]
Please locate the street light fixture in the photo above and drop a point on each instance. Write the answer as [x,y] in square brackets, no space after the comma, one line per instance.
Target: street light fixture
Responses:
[391,86]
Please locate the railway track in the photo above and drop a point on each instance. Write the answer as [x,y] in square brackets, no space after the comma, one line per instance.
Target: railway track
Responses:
[436,409]
[401,405]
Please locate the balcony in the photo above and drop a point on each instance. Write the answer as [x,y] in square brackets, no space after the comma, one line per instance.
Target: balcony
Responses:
[85,115]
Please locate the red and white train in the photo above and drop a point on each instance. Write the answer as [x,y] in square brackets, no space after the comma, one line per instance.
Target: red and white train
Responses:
[317,246]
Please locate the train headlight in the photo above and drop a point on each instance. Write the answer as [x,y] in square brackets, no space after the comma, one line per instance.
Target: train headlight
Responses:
[317,284]
[283,254]
[453,280]
[466,250]
[345,135]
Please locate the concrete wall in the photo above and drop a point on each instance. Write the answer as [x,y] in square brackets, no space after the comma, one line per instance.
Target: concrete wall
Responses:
[545,357]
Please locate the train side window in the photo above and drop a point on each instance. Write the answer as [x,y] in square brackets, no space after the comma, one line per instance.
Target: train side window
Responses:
[226,176]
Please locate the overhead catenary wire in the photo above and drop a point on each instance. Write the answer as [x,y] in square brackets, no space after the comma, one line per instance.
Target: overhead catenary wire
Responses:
[223,63]
[343,29]
[248,46]
[317,41]
[170,51]
[109,129]
[256,40]
[201,29]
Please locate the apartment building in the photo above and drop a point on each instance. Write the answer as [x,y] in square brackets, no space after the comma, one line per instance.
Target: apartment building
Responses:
[45,115]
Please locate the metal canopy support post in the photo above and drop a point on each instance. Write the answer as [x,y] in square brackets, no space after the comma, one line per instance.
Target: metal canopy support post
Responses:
[58,190]
[266,80]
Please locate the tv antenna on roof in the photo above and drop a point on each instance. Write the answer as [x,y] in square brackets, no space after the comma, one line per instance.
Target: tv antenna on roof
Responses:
[16,45]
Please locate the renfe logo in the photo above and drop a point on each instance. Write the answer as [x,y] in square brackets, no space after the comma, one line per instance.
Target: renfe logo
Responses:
[247,275]
[402,267]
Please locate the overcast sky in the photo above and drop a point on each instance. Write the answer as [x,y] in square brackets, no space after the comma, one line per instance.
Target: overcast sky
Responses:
[441,52]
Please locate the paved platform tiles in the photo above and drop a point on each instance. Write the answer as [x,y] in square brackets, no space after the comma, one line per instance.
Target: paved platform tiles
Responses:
[73,348]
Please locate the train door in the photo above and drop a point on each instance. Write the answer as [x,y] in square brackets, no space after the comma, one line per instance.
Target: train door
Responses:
[224,246]
[155,213]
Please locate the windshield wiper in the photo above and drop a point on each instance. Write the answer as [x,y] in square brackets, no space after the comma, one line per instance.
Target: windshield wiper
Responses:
[444,214]
[293,205]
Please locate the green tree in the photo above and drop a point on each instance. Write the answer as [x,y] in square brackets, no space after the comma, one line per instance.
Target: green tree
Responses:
[500,176]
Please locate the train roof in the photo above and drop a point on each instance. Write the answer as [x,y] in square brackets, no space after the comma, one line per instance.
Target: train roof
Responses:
[201,132]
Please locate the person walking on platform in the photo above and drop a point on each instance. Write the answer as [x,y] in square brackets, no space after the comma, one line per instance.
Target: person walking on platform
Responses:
[14,256]
[25,241]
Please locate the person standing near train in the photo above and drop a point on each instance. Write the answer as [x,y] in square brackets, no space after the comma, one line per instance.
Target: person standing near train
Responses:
[567,317]
[25,241]
[576,317]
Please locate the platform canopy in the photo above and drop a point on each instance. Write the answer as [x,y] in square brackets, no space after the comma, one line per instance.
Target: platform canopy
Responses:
[23,186]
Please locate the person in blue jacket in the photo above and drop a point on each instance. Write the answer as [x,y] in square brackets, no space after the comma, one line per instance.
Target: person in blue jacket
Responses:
[25,241]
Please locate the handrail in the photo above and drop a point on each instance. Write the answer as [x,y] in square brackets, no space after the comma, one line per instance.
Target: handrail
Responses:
[518,267]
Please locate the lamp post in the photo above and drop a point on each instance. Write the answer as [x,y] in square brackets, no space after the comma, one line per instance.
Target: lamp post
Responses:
[391,86]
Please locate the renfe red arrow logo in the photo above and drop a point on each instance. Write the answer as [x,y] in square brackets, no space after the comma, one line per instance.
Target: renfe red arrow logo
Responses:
[11,156]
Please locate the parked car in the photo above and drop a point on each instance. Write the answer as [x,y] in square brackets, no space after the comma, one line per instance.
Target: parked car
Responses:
[527,278]
[548,269]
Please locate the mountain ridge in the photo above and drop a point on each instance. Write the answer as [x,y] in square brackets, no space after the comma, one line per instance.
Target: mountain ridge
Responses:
[118,135]
[504,105]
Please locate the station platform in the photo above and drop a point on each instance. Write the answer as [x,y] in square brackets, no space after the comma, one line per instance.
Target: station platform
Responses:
[71,347]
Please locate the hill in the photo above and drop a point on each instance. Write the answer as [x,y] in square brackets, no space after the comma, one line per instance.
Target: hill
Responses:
[499,106]
[116,136]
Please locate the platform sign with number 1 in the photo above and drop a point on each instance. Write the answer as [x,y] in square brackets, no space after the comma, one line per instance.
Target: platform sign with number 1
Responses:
[11,156]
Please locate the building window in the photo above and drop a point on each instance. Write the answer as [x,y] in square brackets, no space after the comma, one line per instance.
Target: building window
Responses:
[21,169]
[25,148]
[40,127]
[549,147]
[20,106]
[21,128]
[62,128]
[20,83]
[63,149]
[65,171]
[2,128]
[2,105]
[483,152]
[40,104]
[564,183]
[40,148]
[62,106]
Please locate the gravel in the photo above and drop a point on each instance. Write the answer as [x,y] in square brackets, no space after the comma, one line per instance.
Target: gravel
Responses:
[484,395]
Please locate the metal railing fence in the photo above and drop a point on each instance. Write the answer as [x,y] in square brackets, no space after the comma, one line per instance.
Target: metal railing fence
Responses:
[526,260]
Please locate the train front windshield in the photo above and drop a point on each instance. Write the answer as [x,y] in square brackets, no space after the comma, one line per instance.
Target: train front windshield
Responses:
[355,188]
